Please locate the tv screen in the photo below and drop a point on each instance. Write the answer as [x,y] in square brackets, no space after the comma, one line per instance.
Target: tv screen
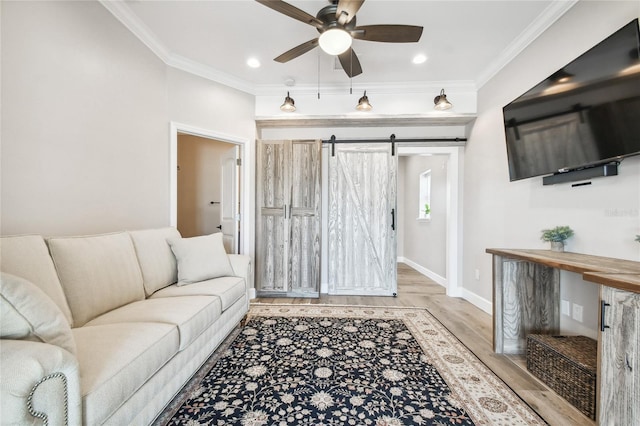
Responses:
[586,113]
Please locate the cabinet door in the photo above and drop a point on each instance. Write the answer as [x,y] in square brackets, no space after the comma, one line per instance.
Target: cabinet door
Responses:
[288,193]
[270,227]
[304,217]
[619,374]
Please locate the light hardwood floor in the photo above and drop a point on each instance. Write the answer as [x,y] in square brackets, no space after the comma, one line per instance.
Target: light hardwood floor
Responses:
[473,328]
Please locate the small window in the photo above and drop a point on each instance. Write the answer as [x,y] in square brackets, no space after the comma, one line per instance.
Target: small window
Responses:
[424,204]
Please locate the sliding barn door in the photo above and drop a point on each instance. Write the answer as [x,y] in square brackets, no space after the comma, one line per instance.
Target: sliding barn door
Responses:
[362,220]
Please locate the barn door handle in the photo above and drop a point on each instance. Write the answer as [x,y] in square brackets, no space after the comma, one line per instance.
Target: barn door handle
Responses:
[393,219]
[603,306]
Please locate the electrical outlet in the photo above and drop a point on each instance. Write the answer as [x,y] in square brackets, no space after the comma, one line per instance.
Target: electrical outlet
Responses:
[565,307]
[577,312]
[477,274]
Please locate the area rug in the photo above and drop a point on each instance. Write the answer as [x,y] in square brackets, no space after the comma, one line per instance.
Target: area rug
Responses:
[345,365]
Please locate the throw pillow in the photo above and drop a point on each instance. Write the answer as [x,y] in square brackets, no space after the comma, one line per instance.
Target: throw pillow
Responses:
[200,258]
[27,313]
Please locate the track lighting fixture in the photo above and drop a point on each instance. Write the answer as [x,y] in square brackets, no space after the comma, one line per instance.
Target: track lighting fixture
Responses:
[441,102]
[363,103]
[289,104]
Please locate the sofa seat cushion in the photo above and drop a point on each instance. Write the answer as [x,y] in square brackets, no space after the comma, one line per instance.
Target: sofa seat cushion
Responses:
[228,289]
[116,360]
[192,315]
[98,273]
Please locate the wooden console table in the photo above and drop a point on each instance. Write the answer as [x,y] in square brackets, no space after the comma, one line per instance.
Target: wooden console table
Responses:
[526,300]
[526,290]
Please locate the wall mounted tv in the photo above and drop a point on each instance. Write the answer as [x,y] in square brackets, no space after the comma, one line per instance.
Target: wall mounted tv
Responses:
[583,116]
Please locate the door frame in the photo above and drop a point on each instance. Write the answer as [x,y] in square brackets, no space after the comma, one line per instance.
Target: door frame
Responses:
[245,195]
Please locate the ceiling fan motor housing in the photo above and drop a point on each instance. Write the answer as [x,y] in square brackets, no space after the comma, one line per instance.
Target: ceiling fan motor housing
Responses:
[328,16]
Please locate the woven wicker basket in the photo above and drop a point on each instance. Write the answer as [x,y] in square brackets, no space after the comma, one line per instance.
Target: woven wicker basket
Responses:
[567,364]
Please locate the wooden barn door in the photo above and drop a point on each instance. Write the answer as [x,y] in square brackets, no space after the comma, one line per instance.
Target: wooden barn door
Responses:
[362,220]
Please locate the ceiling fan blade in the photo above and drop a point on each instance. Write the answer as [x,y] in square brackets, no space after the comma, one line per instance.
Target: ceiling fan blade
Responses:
[297,51]
[292,12]
[388,33]
[347,9]
[350,63]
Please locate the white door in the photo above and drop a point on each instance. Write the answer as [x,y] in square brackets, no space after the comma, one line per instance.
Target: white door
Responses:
[229,208]
[362,220]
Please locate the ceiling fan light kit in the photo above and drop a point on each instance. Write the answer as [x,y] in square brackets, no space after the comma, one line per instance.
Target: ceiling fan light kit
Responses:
[335,41]
[441,102]
[336,24]
[289,104]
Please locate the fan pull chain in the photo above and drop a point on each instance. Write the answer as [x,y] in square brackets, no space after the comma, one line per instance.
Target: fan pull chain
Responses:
[318,73]
[351,73]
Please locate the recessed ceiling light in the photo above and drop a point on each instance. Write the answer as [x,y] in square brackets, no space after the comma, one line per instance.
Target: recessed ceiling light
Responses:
[253,63]
[419,59]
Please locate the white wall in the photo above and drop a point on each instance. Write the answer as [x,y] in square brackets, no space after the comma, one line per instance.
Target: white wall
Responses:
[86,112]
[497,213]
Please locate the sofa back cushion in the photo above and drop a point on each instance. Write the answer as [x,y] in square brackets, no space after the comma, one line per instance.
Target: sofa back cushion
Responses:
[200,258]
[27,256]
[98,273]
[27,313]
[157,262]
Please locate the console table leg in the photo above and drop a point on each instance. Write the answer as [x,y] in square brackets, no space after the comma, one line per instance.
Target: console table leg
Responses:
[527,300]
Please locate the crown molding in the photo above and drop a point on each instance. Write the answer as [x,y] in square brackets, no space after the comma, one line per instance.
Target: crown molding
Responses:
[196,68]
[123,13]
[551,14]
[416,87]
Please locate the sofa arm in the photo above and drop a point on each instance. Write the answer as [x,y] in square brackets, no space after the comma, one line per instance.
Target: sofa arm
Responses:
[241,264]
[39,381]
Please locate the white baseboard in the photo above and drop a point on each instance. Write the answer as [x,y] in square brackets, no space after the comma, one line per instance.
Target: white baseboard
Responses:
[252,293]
[424,271]
[477,301]
[467,295]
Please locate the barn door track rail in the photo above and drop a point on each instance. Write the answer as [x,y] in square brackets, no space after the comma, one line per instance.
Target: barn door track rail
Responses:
[392,140]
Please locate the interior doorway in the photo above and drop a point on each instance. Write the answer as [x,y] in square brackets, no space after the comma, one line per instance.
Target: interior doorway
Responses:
[207,185]
[208,188]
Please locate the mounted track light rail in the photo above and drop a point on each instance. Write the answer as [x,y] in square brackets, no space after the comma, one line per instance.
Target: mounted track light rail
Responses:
[392,140]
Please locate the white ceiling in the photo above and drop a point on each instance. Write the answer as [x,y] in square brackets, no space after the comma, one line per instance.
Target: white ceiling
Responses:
[465,41]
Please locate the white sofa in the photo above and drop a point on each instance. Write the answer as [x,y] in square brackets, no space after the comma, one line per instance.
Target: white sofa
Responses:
[99,329]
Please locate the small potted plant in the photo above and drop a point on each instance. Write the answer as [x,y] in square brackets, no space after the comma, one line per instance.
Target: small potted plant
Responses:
[427,209]
[556,236]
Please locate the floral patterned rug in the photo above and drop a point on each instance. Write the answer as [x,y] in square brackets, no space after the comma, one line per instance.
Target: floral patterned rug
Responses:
[345,365]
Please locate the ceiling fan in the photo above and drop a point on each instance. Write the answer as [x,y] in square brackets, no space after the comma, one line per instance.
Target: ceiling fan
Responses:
[336,24]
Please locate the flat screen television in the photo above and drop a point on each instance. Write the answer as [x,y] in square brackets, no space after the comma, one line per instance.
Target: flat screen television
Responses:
[583,115]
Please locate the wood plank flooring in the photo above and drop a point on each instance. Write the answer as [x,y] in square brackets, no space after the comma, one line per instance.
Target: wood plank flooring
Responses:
[473,327]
